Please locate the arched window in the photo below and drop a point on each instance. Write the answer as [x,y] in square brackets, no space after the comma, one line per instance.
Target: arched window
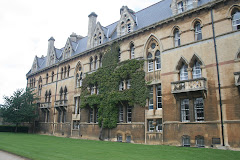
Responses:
[65,71]
[95,41]
[99,38]
[68,72]
[91,64]
[157,60]
[49,96]
[236,19]
[123,29]
[34,81]
[198,31]
[197,73]
[77,80]
[65,93]
[61,94]
[62,73]
[132,51]
[176,37]
[47,78]
[100,61]
[52,76]
[183,72]
[30,83]
[96,62]
[150,62]
[46,96]
[80,82]
[39,85]
[199,141]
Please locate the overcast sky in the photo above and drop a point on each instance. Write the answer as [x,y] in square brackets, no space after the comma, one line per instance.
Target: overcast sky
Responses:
[26,26]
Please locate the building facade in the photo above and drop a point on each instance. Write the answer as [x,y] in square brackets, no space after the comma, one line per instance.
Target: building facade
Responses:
[191,53]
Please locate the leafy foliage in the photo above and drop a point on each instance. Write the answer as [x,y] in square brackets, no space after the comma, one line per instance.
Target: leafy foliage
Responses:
[107,80]
[19,107]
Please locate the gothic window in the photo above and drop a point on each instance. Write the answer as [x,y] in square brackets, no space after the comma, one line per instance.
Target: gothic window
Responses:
[39,85]
[120,119]
[199,141]
[91,64]
[100,61]
[49,96]
[96,62]
[198,31]
[34,81]
[47,78]
[150,62]
[52,76]
[65,71]
[62,73]
[183,72]
[150,103]
[180,7]
[176,34]
[236,19]
[199,109]
[197,73]
[81,79]
[65,93]
[61,94]
[123,28]
[189,4]
[129,114]
[68,72]
[46,96]
[185,113]
[132,51]
[157,60]
[30,83]
[77,80]
[185,141]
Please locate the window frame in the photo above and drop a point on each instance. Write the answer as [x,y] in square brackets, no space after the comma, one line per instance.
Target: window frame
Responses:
[185,111]
[183,72]
[186,141]
[198,31]
[199,110]
[180,8]
[129,114]
[150,101]
[158,58]
[177,40]
[235,26]
[197,71]
[159,96]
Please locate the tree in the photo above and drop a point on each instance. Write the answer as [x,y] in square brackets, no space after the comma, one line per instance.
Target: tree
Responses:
[19,107]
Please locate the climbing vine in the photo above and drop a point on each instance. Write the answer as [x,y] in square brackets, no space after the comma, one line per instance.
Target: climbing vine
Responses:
[107,79]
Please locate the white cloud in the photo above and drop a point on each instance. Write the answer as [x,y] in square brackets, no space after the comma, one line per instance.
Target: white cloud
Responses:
[26,26]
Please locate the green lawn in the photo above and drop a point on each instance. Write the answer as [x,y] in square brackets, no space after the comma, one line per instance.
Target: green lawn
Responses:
[49,147]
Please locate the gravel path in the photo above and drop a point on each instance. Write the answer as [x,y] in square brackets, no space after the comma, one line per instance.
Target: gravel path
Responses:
[9,156]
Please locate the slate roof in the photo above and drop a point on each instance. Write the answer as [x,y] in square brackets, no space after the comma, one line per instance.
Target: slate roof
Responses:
[145,17]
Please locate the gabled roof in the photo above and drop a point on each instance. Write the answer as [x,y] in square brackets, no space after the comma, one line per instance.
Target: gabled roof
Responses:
[145,17]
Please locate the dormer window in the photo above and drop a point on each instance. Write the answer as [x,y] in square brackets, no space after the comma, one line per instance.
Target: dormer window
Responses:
[236,19]
[189,4]
[180,7]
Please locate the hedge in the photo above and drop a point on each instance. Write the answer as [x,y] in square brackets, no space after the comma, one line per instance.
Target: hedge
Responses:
[20,129]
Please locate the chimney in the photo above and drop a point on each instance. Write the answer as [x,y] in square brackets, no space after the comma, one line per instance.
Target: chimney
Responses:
[92,21]
[50,47]
[73,37]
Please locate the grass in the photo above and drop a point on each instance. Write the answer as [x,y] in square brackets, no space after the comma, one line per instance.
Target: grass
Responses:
[44,147]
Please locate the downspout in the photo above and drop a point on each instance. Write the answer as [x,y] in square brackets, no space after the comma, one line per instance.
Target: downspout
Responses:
[55,100]
[218,76]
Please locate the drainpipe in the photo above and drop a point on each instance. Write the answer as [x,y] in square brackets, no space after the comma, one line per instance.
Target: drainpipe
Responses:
[55,100]
[218,76]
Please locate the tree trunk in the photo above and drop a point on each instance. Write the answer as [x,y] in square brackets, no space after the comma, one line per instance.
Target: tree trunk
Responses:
[16,128]
[100,134]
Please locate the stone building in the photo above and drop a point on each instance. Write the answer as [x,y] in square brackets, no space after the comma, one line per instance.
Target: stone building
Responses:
[191,50]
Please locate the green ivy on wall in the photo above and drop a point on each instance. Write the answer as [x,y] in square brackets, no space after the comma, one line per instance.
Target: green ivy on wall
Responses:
[107,79]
